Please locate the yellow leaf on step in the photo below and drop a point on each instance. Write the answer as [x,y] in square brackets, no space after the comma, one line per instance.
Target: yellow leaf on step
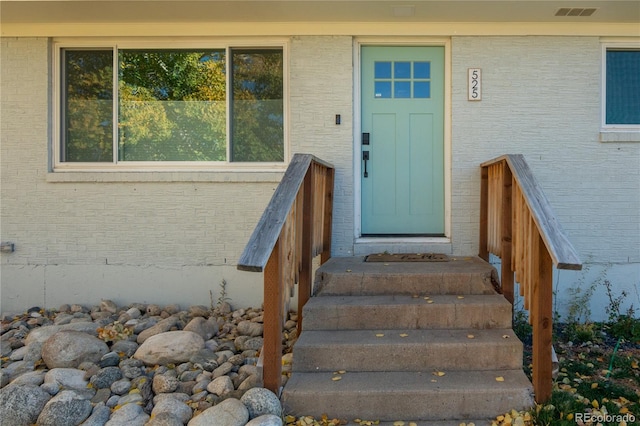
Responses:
[470,336]
[403,335]
[336,378]
[427,298]
[398,423]
[415,296]
[380,335]
[505,336]
[429,301]
[499,379]
[434,381]
[460,297]
[342,371]
[439,373]
[413,424]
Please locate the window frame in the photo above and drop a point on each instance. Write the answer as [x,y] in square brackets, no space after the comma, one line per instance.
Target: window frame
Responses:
[614,128]
[162,43]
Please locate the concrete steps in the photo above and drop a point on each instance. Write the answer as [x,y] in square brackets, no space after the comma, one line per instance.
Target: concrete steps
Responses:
[392,328]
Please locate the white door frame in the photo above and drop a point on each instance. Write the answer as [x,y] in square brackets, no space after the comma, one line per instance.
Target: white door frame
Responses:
[357,134]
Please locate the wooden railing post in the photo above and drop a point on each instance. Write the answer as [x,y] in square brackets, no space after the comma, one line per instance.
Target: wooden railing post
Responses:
[328,215]
[304,285]
[506,273]
[272,349]
[484,213]
[542,317]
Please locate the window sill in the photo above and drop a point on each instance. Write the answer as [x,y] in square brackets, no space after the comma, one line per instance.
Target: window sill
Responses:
[162,176]
[619,136]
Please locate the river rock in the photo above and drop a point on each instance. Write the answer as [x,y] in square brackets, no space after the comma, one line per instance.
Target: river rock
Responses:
[163,383]
[172,404]
[65,409]
[248,328]
[20,405]
[67,378]
[99,416]
[220,385]
[230,412]
[71,348]
[128,415]
[260,401]
[199,311]
[170,347]
[108,306]
[126,347]
[42,334]
[35,378]
[105,377]
[266,420]
[205,328]
[161,327]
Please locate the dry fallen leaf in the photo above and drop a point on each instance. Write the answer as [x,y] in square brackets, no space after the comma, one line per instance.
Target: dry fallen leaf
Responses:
[336,378]
[505,336]
[380,335]
[439,373]
[429,301]
[403,335]
[426,298]
[470,336]
[634,364]
[348,270]
[499,379]
[460,297]
[342,371]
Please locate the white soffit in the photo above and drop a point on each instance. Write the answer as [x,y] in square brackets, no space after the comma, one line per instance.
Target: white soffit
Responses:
[128,11]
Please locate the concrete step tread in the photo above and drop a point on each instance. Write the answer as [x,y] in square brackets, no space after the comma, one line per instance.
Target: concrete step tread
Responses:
[406,383]
[403,300]
[357,265]
[353,276]
[394,311]
[407,350]
[390,395]
[395,337]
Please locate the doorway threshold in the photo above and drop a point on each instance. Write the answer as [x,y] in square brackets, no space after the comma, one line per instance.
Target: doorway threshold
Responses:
[368,245]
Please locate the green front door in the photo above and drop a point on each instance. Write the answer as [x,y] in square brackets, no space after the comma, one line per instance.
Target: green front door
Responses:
[402,166]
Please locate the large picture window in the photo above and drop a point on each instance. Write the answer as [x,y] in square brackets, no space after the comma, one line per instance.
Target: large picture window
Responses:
[621,87]
[172,105]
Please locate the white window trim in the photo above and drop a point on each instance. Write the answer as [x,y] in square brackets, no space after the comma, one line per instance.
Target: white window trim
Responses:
[615,132]
[163,166]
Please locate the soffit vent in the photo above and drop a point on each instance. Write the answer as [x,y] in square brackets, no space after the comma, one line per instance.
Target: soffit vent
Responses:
[575,11]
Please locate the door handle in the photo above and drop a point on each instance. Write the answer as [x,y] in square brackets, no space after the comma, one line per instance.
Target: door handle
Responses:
[365,158]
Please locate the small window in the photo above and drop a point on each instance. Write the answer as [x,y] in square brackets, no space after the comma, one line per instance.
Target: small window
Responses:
[408,80]
[122,105]
[621,81]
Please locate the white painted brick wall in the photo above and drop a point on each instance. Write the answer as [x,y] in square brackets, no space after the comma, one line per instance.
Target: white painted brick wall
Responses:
[541,98]
[321,87]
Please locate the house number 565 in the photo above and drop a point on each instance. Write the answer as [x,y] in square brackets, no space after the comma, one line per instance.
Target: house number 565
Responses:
[475,84]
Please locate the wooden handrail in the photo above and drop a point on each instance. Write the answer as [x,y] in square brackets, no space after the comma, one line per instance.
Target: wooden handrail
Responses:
[518,225]
[294,228]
